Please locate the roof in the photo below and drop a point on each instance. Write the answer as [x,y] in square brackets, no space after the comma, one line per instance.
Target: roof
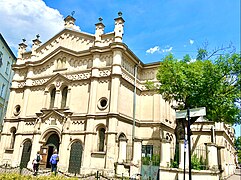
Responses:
[8,48]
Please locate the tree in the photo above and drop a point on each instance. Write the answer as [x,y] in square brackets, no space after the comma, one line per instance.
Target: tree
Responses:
[237,144]
[211,81]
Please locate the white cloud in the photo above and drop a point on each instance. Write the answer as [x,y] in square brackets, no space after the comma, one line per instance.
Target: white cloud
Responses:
[24,19]
[159,50]
[153,50]
[167,49]
[191,41]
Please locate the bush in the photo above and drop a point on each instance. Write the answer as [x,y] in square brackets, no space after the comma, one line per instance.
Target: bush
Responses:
[174,164]
[14,176]
[198,163]
[154,160]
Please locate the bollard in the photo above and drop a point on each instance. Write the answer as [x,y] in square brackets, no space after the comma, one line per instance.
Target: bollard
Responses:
[122,176]
[21,169]
[97,175]
[6,167]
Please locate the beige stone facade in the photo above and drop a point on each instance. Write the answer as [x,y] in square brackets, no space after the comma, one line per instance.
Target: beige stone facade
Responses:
[76,87]
[84,95]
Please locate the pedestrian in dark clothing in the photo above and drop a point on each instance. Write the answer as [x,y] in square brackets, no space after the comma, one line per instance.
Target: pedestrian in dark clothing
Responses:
[36,162]
[54,161]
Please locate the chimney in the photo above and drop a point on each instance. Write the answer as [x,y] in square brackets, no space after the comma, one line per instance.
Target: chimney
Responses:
[36,44]
[99,30]
[119,28]
[21,49]
[69,22]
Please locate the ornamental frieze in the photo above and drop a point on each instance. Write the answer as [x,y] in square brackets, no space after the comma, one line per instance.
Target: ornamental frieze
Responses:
[130,79]
[39,82]
[148,75]
[39,71]
[128,65]
[104,73]
[78,122]
[80,76]
[21,84]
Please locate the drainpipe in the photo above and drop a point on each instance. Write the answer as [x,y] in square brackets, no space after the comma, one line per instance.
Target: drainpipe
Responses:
[134,111]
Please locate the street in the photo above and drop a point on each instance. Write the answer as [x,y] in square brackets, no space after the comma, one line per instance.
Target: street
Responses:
[236,176]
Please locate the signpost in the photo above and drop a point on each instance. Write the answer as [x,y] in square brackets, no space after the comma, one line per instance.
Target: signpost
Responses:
[193,113]
[188,114]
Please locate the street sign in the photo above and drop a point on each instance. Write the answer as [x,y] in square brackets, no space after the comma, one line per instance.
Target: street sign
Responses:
[193,113]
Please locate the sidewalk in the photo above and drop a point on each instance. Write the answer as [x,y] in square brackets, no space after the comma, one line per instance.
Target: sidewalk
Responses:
[236,176]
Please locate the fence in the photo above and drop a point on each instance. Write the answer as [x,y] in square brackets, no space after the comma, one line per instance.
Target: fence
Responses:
[199,158]
[26,171]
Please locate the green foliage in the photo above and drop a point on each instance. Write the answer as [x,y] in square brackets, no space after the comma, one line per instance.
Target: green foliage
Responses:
[14,176]
[237,144]
[239,156]
[150,85]
[146,160]
[174,164]
[198,163]
[202,54]
[214,84]
[154,160]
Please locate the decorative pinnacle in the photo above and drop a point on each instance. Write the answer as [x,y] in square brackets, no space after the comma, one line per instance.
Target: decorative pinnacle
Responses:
[100,19]
[119,13]
[24,40]
[37,36]
[72,14]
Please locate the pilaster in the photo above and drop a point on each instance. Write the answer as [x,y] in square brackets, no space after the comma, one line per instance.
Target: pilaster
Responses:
[165,153]
[68,98]
[88,143]
[16,158]
[25,101]
[136,162]
[115,80]
[94,84]
[45,99]
[212,156]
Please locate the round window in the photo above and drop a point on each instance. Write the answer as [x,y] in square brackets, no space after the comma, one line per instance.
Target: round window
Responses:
[17,110]
[103,103]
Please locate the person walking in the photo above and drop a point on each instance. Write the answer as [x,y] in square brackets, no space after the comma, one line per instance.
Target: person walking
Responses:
[54,159]
[36,162]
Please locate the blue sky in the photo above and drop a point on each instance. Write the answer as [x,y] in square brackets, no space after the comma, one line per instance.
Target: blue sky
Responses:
[152,28]
[173,26]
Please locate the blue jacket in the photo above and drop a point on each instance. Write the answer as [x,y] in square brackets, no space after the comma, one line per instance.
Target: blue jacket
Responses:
[54,159]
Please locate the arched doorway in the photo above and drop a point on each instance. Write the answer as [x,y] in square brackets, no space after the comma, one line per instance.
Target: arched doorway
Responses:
[27,147]
[75,157]
[47,150]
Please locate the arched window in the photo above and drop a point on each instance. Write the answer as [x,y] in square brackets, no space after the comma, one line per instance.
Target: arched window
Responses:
[13,136]
[101,139]
[122,148]
[64,97]
[61,63]
[52,98]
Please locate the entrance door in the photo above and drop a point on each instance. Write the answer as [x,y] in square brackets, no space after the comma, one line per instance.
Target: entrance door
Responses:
[50,153]
[52,144]
[75,158]
[27,147]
